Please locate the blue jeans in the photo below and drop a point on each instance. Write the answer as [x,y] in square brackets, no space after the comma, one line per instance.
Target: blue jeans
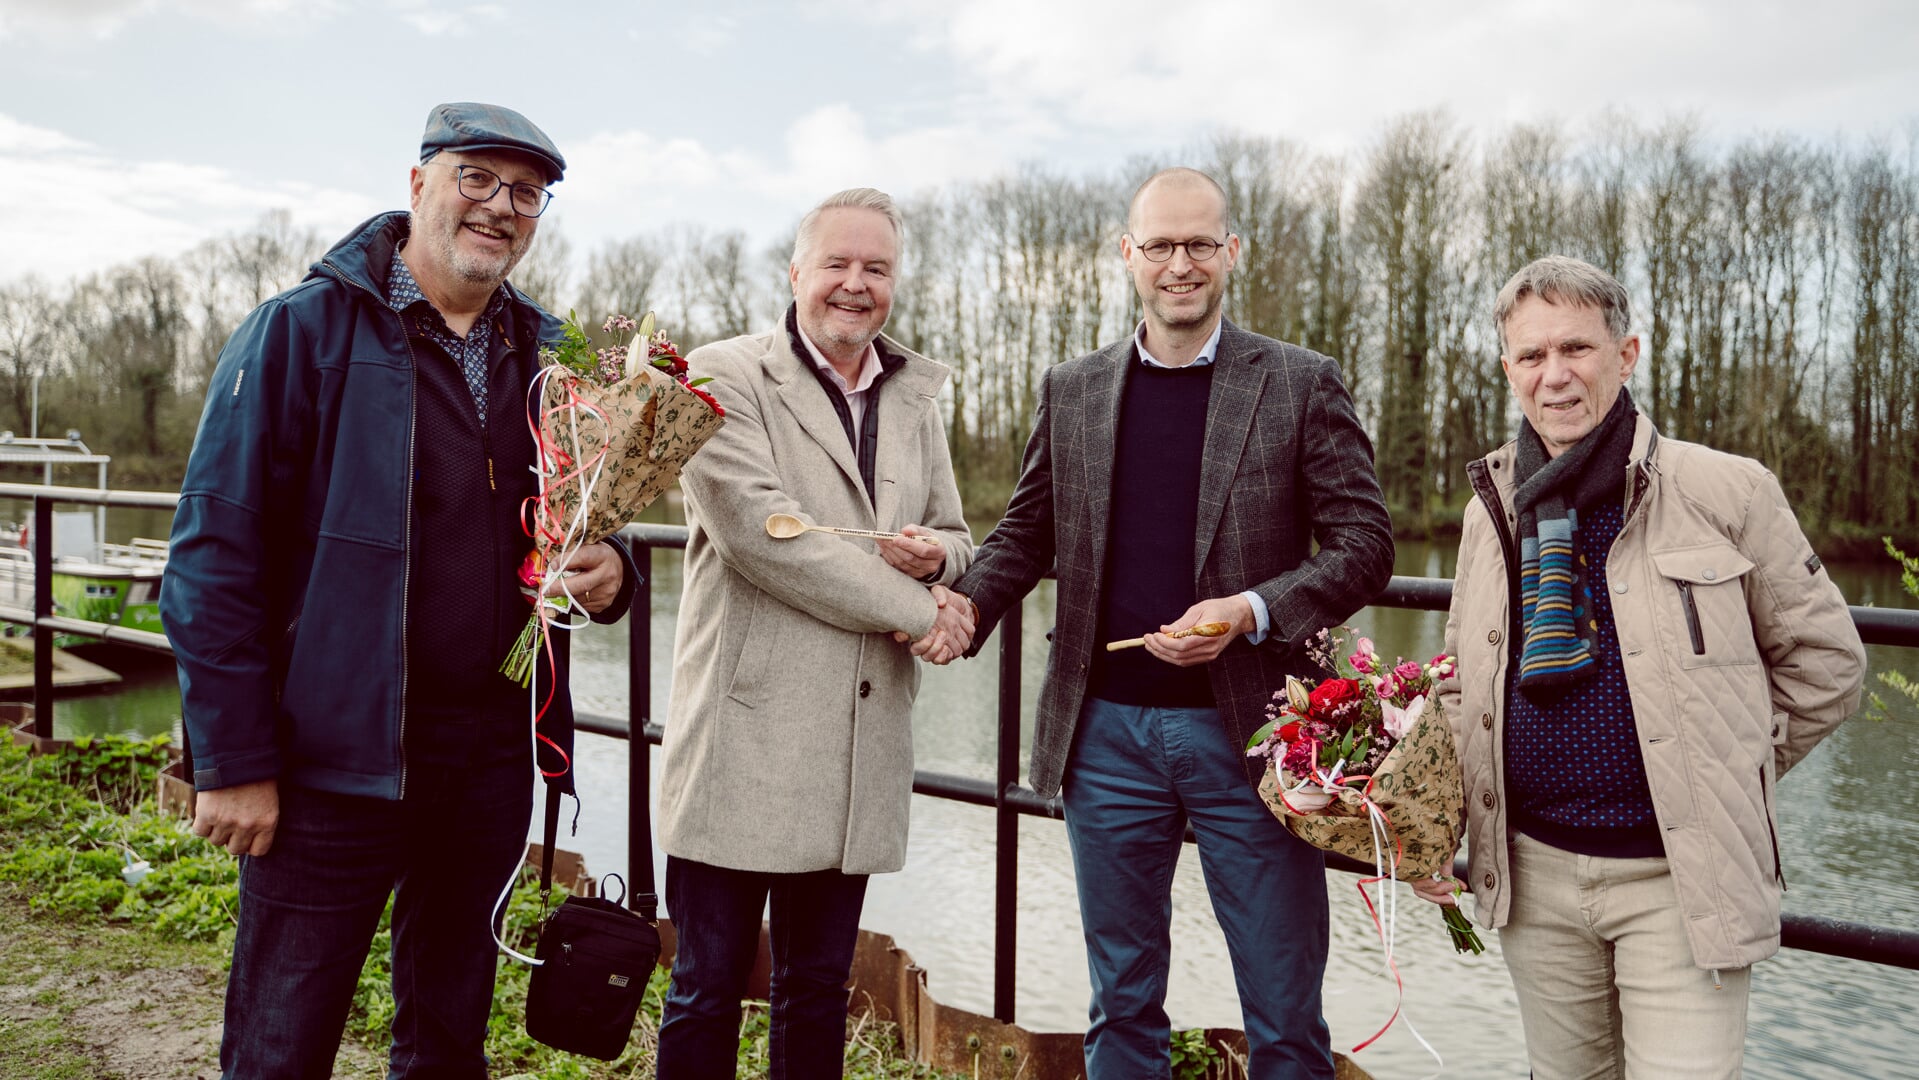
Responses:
[1137,775]
[310,906]
[814,924]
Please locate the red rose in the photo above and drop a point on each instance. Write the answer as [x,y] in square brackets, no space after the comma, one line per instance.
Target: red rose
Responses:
[1332,694]
[1289,733]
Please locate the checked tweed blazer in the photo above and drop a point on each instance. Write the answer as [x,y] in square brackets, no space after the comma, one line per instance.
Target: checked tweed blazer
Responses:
[1285,463]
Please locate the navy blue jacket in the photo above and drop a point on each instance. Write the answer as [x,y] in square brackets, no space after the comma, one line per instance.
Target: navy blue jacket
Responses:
[286,592]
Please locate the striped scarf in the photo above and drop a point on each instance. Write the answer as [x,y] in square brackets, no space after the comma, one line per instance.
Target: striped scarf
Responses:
[1555,602]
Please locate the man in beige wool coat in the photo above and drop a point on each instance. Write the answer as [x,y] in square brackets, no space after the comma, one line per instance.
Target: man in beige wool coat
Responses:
[789,752]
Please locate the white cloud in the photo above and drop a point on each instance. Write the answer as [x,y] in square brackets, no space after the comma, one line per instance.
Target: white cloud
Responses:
[706,34]
[1332,75]
[22,138]
[452,22]
[630,181]
[66,19]
[92,210]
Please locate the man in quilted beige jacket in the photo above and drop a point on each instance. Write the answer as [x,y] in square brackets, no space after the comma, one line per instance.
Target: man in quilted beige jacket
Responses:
[1646,642]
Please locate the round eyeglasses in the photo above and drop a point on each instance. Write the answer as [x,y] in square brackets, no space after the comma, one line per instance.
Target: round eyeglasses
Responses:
[1198,249]
[480,185]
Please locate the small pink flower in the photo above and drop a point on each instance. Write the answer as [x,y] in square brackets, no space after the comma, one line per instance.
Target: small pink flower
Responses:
[1361,662]
[1388,687]
[1407,671]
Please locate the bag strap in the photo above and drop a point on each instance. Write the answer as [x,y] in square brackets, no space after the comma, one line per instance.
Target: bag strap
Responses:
[646,903]
[552,834]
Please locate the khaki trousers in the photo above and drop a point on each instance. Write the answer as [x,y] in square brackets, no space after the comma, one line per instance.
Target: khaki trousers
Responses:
[1607,988]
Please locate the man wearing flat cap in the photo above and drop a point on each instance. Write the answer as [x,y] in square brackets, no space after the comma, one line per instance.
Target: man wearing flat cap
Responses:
[340,595]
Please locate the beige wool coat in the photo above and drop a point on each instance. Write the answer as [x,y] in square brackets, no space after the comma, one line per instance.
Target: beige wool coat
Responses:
[789,744]
[1740,656]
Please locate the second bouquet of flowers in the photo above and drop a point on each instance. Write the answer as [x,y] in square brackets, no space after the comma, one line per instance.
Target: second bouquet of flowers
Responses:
[1363,763]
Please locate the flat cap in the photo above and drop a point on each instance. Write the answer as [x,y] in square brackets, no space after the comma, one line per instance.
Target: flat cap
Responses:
[469,125]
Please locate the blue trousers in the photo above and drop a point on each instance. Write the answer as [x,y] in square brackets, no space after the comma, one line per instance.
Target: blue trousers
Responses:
[1136,777]
[814,923]
[310,906]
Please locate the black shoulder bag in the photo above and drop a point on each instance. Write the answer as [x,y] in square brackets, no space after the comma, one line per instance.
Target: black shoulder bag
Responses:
[596,958]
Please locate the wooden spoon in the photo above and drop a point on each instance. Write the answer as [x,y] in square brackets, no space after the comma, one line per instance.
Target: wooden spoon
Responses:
[786,527]
[1205,629]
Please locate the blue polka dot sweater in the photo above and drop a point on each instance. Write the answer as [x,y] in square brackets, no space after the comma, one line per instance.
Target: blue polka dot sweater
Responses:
[1574,775]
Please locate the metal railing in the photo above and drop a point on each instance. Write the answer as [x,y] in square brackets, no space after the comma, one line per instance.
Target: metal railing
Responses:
[1893,946]
[1897,947]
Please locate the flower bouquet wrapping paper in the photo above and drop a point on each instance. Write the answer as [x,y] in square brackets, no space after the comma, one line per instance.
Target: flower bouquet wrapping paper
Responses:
[652,426]
[614,428]
[1416,785]
[1363,763]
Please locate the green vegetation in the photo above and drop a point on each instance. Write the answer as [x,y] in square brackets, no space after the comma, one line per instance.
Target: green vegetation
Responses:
[81,928]
[1193,1057]
[16,657]
[1896,681]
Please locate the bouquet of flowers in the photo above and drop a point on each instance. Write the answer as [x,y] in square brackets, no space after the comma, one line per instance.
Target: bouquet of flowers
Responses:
[1362,763]
[614,428]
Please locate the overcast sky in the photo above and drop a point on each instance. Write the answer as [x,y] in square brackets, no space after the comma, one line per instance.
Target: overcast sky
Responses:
[130,127]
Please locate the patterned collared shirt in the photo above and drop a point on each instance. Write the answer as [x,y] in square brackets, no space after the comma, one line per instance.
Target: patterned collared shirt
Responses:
[470,352]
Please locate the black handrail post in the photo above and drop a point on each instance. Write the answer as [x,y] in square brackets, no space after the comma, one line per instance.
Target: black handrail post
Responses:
[42,610]
[639,752]
[1006,820]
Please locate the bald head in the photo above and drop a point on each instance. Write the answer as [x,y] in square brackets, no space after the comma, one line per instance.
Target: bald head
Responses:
[1180,181]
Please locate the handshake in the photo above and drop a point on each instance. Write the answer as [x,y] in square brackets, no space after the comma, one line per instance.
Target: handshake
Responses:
[952,632]
[919,556]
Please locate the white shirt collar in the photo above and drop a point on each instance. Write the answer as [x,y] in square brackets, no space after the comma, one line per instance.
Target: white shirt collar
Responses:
[868,371]
[1207,353]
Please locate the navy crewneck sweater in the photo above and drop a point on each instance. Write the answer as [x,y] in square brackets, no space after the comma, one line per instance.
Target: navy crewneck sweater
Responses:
[1150,578]
[1574,773]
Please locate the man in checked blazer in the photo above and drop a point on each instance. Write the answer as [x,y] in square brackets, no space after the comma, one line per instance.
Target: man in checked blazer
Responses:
[1182,477]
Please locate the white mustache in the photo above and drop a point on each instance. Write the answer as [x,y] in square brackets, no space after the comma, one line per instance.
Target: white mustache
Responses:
[864,303]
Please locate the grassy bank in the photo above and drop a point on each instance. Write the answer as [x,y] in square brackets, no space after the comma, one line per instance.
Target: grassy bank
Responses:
[106,973]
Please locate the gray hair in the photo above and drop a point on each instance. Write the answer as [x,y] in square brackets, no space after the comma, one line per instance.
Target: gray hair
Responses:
[1182,173]
[1561,279]
[859,198]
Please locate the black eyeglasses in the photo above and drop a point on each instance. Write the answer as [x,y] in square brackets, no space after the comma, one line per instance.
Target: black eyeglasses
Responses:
[481,185]
[1198,249]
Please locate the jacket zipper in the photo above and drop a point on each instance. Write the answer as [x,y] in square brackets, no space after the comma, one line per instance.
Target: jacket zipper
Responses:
[1692,619]
[1489,494]
[1480,478]
[406,541]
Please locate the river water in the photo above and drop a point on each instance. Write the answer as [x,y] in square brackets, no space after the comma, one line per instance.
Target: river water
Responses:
[1849,833]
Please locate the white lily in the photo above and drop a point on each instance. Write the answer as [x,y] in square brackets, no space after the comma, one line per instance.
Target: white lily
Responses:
[1398,721]
[636,352]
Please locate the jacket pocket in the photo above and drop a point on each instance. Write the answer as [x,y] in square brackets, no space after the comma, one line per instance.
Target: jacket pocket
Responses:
[1705,606]
[1772,827]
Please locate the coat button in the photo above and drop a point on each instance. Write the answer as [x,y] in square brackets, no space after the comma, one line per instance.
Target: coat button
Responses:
[1486,800]
[1488,880]
[1710,575]
[1620,588]
[866,688]
[1492,636]
[1486,721]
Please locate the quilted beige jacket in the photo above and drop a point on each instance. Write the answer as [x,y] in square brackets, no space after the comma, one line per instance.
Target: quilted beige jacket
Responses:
[1739,653]
[789,737]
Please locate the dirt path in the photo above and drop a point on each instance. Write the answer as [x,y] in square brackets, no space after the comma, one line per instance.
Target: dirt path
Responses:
[109,1002]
